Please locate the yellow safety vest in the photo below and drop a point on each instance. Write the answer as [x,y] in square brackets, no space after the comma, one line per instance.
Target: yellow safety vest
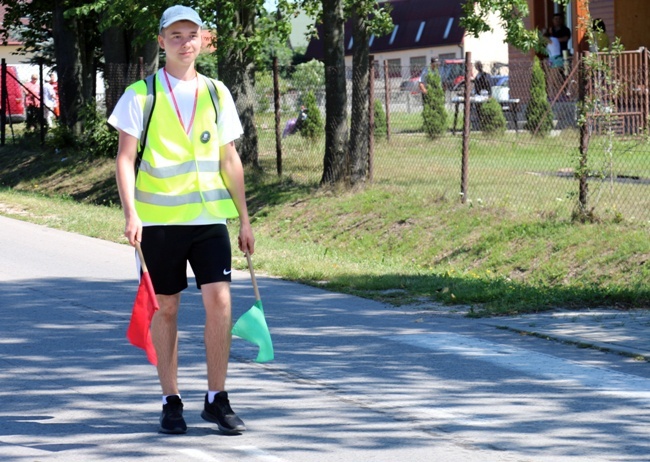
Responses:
[179,175]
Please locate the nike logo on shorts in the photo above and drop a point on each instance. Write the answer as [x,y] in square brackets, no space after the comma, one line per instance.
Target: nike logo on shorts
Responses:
[227,272]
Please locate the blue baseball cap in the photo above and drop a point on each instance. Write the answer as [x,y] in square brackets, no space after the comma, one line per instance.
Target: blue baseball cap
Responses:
[179,13]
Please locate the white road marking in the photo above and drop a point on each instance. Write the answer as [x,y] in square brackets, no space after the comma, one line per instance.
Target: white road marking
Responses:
[600,379]
[257,454]
[198,455]
[248,453]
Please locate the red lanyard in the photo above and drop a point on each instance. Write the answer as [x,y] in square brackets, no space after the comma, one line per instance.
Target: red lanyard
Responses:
[178,112]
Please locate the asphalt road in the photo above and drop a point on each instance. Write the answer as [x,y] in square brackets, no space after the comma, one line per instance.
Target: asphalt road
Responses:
[353,380]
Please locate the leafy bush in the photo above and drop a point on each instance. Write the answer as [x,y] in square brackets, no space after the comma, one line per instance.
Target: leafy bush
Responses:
[96,140]
[380,120]
[309,76]
[539,117]
[434,114]
[493,121]
[207,64]
[312,126]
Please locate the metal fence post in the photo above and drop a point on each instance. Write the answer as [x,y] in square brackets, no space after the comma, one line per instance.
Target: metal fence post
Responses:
[3,105]
[584,92]
[387,97]
[41,112]
[466,126]
[371,119]
[276,108]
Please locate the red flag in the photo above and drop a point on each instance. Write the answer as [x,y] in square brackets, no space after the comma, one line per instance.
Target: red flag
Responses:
[144,308]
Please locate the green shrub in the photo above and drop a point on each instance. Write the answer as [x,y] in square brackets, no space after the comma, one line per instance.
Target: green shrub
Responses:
[539,117]
[493,121]
[380,120]
[98,139]
[434,114]
[309,76]
[312,126]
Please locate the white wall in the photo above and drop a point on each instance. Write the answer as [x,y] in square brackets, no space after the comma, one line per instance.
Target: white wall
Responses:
[489,47]
[405,56]
[7,52]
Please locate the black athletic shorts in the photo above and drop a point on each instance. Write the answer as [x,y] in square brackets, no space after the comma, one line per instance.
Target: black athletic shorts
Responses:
[167,249]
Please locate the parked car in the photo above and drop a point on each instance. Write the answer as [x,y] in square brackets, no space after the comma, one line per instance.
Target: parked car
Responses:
[412,85]
[452,76]
[452,73]
[499,80]
[16,100]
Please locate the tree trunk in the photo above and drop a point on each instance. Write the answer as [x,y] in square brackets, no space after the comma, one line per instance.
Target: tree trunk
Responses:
[71,57]
[359,130]
[336,130]
[122,62]
[237,72]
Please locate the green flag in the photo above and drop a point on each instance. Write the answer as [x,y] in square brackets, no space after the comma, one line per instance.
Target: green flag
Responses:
[251,326]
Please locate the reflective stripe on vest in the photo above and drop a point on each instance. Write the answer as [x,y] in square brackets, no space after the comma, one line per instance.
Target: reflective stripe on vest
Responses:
[180,175]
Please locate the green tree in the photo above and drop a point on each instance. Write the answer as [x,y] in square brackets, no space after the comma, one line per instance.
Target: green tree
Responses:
[434,113]
[336,100]
[309,76]
[380,120]
[312,126]
[244,28]
[539,118]
[367,18]
[511,14]
[75,41]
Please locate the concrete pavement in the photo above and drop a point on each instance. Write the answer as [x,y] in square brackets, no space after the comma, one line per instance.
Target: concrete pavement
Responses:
[616,331]
[353,379]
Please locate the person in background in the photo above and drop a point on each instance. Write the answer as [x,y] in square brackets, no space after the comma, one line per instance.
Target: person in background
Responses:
[55,86]
[482,84]
[600,37]
[553,50]
[561,32]
[32,90]
[554,75]
[422,83]
[50,100]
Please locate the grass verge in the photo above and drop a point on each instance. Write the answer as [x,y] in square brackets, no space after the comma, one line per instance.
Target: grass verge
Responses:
[390,244]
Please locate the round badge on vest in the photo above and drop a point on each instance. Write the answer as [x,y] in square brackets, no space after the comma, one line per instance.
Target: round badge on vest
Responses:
[205,136]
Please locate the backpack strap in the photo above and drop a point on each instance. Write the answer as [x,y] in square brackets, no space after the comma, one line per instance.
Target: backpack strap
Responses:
[149,103]
[214,94]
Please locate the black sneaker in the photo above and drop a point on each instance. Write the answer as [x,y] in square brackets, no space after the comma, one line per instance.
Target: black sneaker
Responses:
[221,413]
[171,419]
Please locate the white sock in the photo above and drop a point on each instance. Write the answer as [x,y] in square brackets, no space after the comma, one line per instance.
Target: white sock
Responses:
[164,398]
[211,395]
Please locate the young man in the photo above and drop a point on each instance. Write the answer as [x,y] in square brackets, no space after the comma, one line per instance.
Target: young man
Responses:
[190,180]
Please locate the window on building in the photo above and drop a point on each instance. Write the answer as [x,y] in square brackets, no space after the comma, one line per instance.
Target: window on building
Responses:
[420,30]
[447,56]
[394,67]
[416,64]
[392,36]
[448,28]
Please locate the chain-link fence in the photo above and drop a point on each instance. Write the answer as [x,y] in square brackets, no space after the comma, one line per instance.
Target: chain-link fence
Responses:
[521,143]
[524,145]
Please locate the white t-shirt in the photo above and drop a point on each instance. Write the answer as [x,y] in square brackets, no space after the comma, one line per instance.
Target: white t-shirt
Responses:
[128,114]
[553,47]
[49,95]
